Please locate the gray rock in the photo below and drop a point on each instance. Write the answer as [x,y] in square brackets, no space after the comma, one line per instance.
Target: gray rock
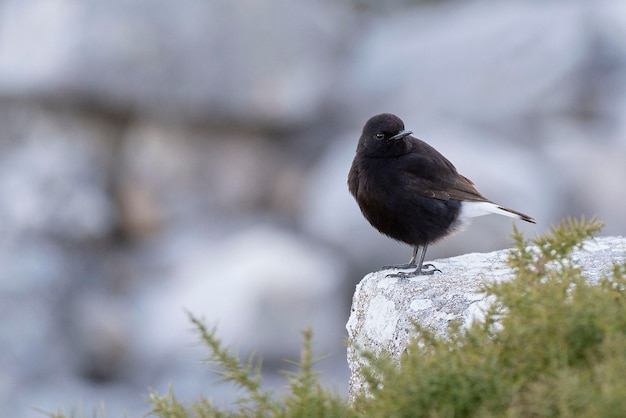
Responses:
[477,61]
[260,286]
[384,308]
[269,64]
[101,337]
[173,172]
[54,169]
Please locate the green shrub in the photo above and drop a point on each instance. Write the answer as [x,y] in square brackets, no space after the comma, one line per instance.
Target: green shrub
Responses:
[305,397]
[552,345]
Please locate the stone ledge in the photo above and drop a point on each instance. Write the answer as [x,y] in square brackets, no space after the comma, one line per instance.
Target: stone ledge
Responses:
[384,308]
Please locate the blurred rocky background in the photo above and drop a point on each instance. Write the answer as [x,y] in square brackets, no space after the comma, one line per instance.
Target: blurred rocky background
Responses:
[160,156]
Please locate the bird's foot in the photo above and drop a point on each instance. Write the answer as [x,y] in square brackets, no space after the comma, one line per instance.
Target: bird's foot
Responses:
[425,270]
[401,266]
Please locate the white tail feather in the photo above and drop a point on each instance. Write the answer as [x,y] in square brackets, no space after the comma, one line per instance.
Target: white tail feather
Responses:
[475,209]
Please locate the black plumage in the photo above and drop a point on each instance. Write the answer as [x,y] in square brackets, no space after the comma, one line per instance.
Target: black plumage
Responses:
[410,192]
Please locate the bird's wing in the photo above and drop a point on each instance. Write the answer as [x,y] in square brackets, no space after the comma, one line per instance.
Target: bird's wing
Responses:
[462,188]
[430,174]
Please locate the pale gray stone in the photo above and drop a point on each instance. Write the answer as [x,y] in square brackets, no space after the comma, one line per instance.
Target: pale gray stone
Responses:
[384,308]
[268,64]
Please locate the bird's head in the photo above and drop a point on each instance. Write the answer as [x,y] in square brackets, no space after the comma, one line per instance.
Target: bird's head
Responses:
[383,136]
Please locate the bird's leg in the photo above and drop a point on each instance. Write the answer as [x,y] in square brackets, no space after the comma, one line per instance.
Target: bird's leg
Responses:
[410,265]
[419,271]
[421,266]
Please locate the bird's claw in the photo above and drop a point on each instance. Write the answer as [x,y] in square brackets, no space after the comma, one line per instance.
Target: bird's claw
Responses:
[425,270]
[429,272]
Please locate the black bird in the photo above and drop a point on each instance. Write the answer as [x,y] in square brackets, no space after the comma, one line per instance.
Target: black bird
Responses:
[410,192]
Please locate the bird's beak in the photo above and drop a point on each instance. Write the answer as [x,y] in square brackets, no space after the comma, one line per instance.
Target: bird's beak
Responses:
[402,134]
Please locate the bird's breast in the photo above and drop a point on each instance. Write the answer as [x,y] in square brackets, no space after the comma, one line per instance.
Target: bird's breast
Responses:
[389,202]
[379,179]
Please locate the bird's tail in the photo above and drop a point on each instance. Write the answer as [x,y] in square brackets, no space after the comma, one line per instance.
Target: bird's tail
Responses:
[474,209]
[514,214]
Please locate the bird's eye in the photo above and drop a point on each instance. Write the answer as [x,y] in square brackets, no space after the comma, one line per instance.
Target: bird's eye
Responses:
[380,135]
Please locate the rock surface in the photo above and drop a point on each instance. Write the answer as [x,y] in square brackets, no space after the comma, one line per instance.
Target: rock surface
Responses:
[210,60]
[384,308]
